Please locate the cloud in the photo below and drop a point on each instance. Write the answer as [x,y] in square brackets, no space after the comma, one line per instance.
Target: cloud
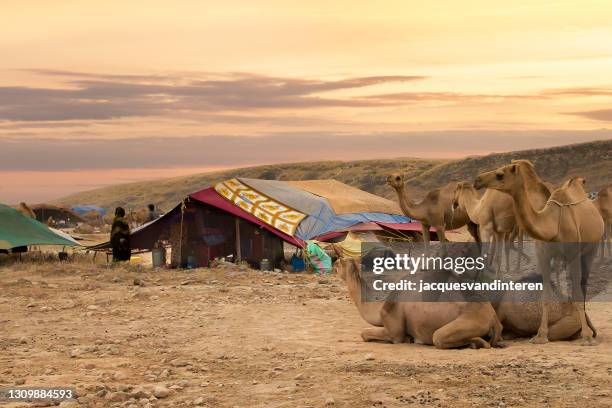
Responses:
[102,97]
[580,91]
[28,154]
[449,97]
[604,115]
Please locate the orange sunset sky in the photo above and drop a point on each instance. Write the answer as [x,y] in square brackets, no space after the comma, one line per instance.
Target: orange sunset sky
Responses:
[100,92]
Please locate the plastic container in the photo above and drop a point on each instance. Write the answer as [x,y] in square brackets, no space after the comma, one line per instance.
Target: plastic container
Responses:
[158,256]
[265,265]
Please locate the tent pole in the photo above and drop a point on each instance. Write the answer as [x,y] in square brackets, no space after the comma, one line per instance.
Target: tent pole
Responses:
[238,251]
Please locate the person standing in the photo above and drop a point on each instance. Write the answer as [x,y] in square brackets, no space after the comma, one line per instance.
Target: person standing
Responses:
[153,214]
[120,237]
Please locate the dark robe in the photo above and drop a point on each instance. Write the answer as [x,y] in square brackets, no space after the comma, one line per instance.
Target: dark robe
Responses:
[120,240]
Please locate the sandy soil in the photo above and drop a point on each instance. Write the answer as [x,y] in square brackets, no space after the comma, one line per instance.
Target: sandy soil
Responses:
[232,338]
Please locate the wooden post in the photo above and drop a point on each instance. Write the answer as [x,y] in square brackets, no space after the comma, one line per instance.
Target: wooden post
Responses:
[238,251]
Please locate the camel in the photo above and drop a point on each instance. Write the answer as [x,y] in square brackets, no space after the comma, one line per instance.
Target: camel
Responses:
[435,210]
[567,217]
[442,324]
[139,217]
[521,319]
[26,210]
[494,214]
[603,202]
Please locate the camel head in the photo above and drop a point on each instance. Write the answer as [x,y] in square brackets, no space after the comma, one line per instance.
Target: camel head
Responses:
[506,178]
[579,182]
[395,180]
[346,268]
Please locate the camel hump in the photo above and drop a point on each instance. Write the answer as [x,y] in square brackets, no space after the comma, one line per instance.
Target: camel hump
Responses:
[572,191]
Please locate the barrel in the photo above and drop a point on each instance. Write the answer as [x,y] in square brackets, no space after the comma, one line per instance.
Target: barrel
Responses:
[265,265]
[158,257]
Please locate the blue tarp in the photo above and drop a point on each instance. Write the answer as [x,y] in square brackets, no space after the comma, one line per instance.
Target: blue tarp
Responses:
[321,217]
[84,209]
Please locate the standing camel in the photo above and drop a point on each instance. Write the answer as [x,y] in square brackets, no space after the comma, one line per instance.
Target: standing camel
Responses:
[567,217]
[603,202]
[435,210]
[494,214]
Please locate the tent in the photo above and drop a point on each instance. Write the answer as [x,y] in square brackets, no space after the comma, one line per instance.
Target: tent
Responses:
[60,215]
[250,219]
[17,230]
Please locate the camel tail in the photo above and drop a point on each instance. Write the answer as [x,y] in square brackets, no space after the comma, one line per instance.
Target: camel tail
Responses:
[588,319]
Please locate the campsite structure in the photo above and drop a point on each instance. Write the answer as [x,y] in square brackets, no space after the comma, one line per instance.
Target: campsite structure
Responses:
[18,232]
[251,219]
[59,216]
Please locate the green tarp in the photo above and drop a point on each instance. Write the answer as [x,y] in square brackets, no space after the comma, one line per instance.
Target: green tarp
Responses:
[18,230]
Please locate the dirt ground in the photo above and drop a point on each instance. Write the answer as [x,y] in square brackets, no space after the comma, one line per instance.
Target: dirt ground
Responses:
[239,338]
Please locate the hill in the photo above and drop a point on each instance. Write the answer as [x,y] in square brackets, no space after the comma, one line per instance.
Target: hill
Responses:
[592,160]
[367,175]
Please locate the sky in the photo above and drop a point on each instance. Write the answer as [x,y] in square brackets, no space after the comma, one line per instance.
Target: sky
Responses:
[94,93]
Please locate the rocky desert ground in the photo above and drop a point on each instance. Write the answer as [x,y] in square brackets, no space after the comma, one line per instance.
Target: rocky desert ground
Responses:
[232,337]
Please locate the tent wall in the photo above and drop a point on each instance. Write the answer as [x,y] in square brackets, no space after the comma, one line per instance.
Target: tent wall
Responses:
[208,233]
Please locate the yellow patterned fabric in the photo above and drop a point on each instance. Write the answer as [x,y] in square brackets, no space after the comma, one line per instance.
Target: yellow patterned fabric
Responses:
[261,206]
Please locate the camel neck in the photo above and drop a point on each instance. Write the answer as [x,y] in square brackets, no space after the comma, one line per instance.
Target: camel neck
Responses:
[369,311]
[409,208]
[472,204]
[539,224]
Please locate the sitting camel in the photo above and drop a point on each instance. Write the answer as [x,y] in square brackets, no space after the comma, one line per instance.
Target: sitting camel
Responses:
[603,202]
[435,210]
[494,214]
[442,324]
[567,217]
[522,318]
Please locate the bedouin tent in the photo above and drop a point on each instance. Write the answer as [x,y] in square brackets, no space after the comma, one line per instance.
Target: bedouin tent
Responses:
[295,211]
[17,230]
[248,219]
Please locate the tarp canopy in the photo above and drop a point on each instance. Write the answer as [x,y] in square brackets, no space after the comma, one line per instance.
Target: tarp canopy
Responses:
[84,209]
[357,206]
[345,199]
[18,230]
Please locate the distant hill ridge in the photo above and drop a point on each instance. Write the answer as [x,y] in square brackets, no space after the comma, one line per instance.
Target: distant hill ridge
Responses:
[592,160]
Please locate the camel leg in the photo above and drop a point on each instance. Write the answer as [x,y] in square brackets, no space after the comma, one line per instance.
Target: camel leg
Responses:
[460,332]
[602,243]
[520,248]
[376,334]
[544,264]
[426,237]
[507,244]
[486,236]
[579,269]
[607,238]
[564,328]
[499,243]
[441,234]
[394,325]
